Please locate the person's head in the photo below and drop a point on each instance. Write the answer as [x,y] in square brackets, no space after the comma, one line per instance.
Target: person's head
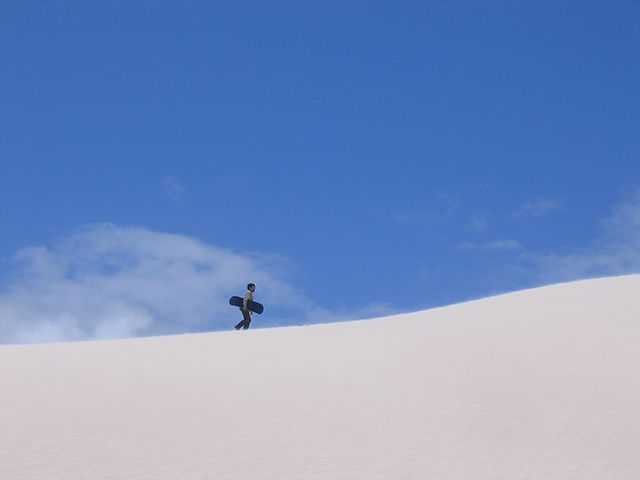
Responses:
[251,287]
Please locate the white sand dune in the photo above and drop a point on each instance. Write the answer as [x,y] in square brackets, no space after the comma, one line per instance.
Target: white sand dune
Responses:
[538,384]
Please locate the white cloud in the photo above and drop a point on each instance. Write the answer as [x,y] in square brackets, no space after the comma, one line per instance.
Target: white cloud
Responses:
[503,246]
[443,207]
[173,188]
[491,246]
[615,252]
[374,310]
[478,223]
[106,281]
[409,217]
[536,208]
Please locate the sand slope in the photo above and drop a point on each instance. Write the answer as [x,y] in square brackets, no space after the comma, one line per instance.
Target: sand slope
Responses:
[539,384]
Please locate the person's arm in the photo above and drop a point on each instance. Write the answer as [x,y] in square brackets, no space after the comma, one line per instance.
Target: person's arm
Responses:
[244,301]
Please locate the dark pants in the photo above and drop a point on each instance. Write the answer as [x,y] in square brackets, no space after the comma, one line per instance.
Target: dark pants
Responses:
[246,320]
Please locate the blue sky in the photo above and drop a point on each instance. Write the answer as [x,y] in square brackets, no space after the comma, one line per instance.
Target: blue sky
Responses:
[360,158]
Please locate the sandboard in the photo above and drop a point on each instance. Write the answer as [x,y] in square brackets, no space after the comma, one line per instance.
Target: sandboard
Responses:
[253,306]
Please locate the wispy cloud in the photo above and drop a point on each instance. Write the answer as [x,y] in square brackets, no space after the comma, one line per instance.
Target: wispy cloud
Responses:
[491,246]
[105,281]
[173,188]
[374,310]
[478,223]
[616,250]
[536,208]
[444,206]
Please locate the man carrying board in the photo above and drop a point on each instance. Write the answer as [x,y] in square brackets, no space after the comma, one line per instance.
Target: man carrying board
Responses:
[246,313]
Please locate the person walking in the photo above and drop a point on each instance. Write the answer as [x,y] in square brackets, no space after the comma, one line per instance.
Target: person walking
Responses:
[246,313]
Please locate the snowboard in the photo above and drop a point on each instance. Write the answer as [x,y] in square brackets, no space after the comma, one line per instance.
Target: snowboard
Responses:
[253,306]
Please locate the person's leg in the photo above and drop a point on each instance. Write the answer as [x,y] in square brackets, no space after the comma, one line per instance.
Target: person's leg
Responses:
[246,320]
